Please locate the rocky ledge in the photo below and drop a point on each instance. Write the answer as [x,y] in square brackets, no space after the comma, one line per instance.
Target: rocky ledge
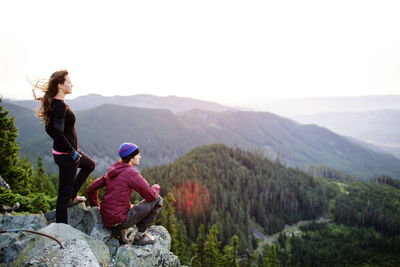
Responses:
[85,242]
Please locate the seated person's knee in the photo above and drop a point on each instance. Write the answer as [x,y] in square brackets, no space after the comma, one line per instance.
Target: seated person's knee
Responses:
[160,200]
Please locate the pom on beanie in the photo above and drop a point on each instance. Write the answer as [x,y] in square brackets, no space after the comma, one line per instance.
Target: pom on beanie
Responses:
[126,149]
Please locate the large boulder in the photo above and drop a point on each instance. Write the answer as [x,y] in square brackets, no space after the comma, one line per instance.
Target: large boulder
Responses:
[30,222]
[76,215]
[12,243]
[87,220]
[79,249]
[94,226]
[157,254]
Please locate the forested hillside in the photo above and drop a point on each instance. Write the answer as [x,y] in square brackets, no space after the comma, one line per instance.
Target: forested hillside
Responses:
[239,191]
[165,136]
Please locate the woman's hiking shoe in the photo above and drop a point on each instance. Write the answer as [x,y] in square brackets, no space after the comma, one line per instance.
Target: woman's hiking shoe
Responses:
[76,200]
[143,240]
[119,234]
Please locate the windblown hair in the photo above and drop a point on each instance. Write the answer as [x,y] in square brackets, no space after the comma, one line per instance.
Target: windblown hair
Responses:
[50,90]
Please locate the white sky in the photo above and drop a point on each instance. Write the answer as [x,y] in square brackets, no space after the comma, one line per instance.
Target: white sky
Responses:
[224,51]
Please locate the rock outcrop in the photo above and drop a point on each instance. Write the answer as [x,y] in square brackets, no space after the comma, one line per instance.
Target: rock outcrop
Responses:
[154,255]
[4,183]
[85,240]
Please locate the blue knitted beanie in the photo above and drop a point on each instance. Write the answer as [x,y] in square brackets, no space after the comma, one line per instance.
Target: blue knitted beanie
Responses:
[126,149]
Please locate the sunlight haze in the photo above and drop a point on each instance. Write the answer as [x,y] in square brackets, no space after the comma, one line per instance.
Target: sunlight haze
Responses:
[224,51]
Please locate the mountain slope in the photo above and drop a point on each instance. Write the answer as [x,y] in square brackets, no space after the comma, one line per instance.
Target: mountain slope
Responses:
[377,127]
[164,136]
[313,105]
[173,103]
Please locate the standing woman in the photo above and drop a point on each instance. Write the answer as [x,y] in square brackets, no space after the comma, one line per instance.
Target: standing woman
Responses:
[59,123]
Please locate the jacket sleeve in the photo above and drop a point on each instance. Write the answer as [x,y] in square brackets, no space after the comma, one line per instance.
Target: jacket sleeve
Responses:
[92,192]
[58,124]
[140,185]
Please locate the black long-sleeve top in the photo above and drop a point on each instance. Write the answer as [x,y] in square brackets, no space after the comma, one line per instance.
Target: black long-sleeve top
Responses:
[61,128]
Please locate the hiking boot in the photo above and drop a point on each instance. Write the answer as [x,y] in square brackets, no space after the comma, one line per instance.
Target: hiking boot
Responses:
[119,234]
[143,240]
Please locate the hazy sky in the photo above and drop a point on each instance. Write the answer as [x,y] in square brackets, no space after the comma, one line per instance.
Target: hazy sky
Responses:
[225,51]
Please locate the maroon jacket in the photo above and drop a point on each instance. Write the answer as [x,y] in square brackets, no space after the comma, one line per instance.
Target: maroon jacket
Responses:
[119,181]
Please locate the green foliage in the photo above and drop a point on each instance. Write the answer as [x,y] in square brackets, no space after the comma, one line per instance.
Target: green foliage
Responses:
[42,182]
[385,179]
[34,203]
[20,177]
[333,245]
[366,204]
[28,188]
[271,260]
[231,253]
[42,203]
[198,249]
[17,173]
[7,198]
[8,145]
[330,173]
[229,187]
[206,251]
[213,255]
[182,248]
[168,219]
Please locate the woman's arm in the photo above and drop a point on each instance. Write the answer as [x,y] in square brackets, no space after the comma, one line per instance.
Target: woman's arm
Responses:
[58,124]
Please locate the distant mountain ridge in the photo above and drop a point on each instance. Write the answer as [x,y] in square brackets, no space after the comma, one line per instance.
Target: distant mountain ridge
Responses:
[291,107]
[164,136]
[380,128]
[173,103]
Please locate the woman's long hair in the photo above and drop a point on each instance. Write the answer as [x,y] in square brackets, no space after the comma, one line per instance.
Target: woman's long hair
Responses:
[50,90]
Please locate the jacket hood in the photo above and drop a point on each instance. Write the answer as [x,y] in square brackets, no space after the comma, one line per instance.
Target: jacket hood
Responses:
[117,168]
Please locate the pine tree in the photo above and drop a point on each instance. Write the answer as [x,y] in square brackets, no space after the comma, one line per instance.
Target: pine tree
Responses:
[168,220]
[181,249]
[21,177]
[8,144]
[41,181]
[271,259]
[199,255]
[17,173]
[213,255]
[231,252]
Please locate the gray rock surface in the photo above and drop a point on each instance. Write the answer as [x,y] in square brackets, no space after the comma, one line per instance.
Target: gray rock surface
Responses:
[157,254]
[4,183]
[85,239]
[11,245]
[94,226]
[31,222]
[79,248]
[76,216]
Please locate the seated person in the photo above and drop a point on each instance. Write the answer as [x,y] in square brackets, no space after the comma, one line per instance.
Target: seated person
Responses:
[116,210]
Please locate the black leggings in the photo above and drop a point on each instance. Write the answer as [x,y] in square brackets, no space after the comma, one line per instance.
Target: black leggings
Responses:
[69,185]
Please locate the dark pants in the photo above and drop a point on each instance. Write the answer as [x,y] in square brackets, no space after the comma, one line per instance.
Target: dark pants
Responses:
[69,185]
[143,214]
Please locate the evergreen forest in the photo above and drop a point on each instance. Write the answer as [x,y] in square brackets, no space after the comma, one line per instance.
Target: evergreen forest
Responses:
[225,206]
